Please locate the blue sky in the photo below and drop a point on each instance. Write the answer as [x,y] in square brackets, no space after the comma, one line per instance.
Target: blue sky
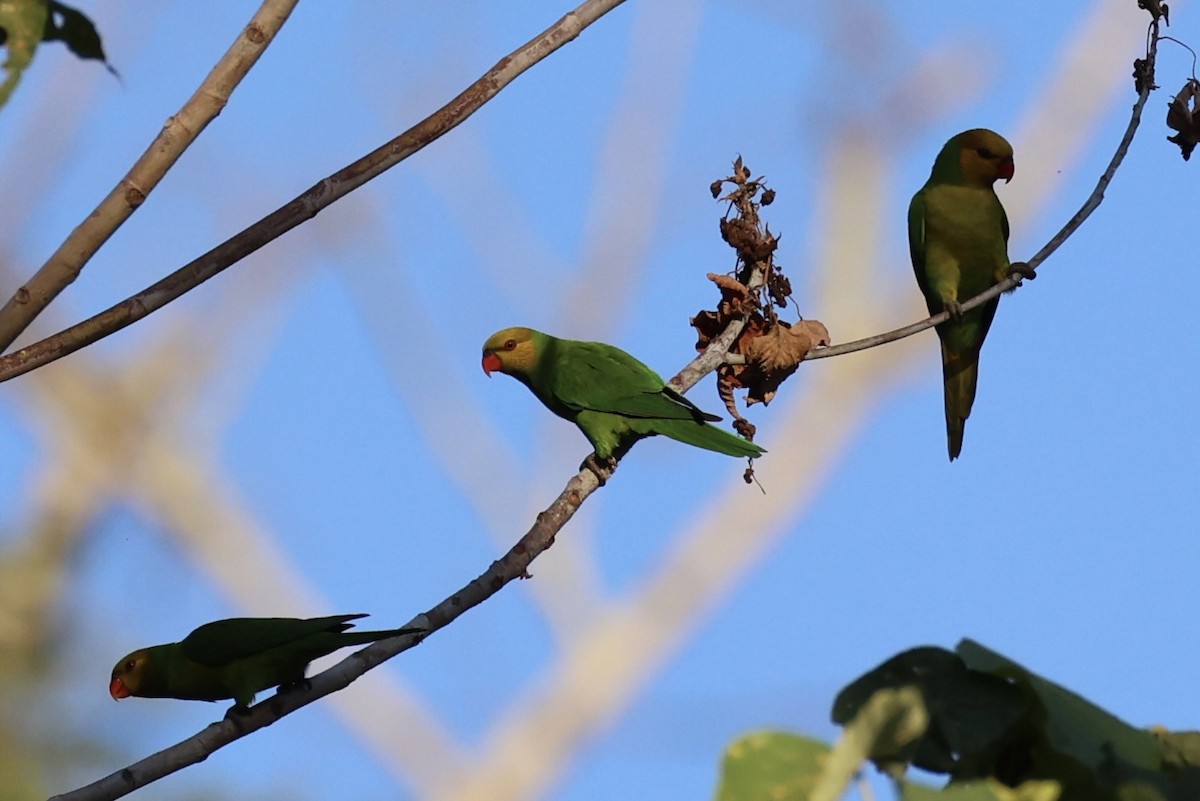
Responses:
[345,422]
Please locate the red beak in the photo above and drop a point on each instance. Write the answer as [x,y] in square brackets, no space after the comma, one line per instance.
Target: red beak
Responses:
[1006,170]
[118,690]
[491,364]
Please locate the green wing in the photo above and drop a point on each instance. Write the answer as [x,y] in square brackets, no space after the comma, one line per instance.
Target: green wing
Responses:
[597,377]
[916,246]
[222,641]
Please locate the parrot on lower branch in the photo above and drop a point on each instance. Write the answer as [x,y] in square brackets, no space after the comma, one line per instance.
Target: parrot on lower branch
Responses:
[612,397]
[237,658]
[958,240]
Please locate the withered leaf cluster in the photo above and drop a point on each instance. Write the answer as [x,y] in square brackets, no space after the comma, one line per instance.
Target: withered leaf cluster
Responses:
[1157,9]
[770,349]
[1183,116]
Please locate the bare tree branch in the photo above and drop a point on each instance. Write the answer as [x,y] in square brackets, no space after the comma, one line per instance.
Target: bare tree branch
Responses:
[306,206]
[177,135]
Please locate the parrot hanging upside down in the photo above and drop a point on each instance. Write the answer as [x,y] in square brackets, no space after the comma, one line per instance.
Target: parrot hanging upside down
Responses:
[612,397]
[237,658]
[958,240]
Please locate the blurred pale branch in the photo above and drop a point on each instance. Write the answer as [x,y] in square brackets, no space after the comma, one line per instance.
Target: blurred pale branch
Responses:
[177,135]
[307,205]
[393,312]
[618,229]
[118,435]
[622,225]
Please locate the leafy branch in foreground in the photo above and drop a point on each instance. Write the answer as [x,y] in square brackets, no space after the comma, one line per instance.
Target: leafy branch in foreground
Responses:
[998,730]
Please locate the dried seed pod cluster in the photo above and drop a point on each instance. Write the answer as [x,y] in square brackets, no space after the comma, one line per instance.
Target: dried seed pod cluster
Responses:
[770,349]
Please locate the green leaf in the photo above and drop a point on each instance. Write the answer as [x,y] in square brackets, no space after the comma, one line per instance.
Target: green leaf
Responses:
[771,766]
[883,730]
[73,28]
[22,23]
[971,714]
[988,790]
[1071,725]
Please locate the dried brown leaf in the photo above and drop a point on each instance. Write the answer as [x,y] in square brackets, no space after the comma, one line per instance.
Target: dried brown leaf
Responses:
[1143,75]
[745,428]
[816,331]
[741,234]
[726,383]
[708,325]
[785,345]
[774,354]
[730,286]
[1184,116]
[1157,9]
[779,287]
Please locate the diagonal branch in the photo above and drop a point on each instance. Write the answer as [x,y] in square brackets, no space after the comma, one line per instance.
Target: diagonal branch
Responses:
[177,135]
[512,565]
[306,206]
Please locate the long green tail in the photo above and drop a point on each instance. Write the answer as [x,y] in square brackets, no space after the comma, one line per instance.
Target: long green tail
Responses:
[348,638]
[703,435]
[960,375]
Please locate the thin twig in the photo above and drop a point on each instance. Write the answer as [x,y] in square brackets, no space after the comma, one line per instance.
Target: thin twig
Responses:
[512,565]
[306,206]
[177,135]
[1091,204]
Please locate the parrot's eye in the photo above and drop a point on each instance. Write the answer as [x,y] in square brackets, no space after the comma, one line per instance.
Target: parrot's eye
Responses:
[510,344]
[130,665]
[984,153]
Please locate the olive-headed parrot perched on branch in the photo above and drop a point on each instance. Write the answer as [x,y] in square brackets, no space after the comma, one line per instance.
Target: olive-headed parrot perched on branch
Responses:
[612,397]
[958,239]
[237,658]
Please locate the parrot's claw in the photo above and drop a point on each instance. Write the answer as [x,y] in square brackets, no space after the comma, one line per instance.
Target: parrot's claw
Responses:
[602,468]
[237,713]
[954,309]
[1022,269]
[293,686]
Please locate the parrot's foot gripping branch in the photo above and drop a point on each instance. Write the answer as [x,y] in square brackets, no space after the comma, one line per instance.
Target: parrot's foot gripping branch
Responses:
[1022,269]
[601,468]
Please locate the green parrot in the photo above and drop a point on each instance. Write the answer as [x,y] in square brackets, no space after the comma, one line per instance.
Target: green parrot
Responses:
[610,395]
[958,240]
[236,658]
